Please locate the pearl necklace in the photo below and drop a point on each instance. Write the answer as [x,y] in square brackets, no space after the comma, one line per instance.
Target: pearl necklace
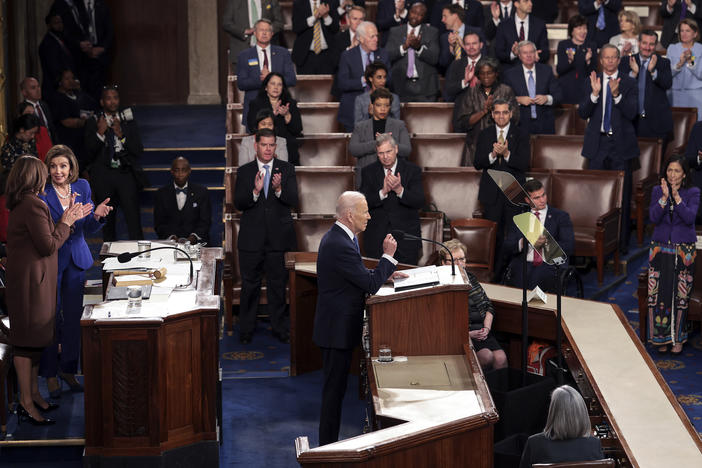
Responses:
[56,189]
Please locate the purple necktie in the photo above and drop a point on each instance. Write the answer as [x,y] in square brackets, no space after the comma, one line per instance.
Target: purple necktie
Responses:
[683,9]
[410,63]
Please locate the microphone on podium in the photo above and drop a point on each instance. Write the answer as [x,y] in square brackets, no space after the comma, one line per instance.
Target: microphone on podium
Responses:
[127,256]
[401,235]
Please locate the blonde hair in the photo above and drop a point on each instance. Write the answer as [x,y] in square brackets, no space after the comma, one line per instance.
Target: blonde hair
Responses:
[452,245]
[633,18]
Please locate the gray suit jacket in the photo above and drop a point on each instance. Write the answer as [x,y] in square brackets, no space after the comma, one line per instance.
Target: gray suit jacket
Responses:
[236,20]
[360,107]
[426,59]
[362,145]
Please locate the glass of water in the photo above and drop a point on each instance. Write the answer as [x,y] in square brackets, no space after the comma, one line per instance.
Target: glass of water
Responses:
[384,353]
[143,245]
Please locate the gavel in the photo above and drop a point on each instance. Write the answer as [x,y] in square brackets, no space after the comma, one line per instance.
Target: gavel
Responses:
[156,274]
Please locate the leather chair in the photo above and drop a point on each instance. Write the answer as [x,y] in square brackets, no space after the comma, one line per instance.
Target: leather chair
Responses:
[683,120]
[441,150]
[428,117]
[231,279]
[229,184]
[593,200]
[557,152]
[313,88]
[234,94]
[432,227]
[544,176]
[479,236]
[453,191]
[286,9]
[643,180]
[233,145]
[319,187]
[319,117]
[325,150]
[565,115]
[604,463]
[233,119]
[310,230]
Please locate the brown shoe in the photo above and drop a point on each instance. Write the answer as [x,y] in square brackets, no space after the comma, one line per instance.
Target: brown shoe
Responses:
[677,348]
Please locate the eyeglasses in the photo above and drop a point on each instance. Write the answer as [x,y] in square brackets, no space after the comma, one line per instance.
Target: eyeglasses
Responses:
[447,261]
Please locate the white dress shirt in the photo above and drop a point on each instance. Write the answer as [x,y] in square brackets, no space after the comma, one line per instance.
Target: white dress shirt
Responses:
[181,196]
[492,157]
[503,5]
[270,170]
[525,70]
[605,91]
[327,20]
[261,52]
[518,25]
[351,236]
[385,173]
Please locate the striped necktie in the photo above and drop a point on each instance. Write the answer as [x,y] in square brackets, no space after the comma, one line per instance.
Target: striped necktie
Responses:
[316,32]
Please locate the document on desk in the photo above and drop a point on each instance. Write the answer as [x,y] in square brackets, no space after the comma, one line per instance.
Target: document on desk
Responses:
[417,278]
[158,306]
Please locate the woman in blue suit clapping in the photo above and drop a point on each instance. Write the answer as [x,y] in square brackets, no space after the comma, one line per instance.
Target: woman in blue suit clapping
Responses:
[65,188]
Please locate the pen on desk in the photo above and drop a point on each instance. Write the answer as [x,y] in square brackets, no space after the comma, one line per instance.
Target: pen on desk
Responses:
[109,314]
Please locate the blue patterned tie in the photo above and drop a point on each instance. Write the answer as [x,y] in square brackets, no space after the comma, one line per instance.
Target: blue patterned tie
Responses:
[608,108]
[355,242]
[532,92]
[600,19]
[642,87]
[266,179]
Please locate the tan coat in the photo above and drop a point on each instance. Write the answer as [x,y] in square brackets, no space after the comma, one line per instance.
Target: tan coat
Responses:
[33,242]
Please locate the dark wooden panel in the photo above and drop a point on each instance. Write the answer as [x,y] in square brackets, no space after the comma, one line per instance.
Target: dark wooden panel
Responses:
[150,59]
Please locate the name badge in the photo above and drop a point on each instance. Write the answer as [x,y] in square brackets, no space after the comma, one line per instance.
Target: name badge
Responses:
[253,62]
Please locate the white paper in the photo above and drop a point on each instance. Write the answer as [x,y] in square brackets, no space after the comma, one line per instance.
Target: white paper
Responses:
[417,276]
[537,294]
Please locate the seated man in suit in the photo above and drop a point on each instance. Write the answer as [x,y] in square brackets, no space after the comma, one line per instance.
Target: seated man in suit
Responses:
[557,223]
[352,67]
[265,193]
[519,27]
[376,75]
[451,40]
[654,78]
[602,19]
[461,74]
[672,12]
[503,147]
[537,90]
[500,11]
[255,63]
[414,53]
[182,209]
[610,103]
[471,14]
[394,191]
[390,13]
[315,23]
[693,153]
[362,144]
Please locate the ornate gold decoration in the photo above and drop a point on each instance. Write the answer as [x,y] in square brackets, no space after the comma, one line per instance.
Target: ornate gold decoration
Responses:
[690,400]
[242,355]
[669,364]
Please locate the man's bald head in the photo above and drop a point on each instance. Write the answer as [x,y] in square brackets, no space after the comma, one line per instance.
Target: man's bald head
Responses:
[180,170]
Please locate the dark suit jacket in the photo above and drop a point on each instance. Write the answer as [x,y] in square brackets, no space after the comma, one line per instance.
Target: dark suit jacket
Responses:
[393,212]
[343,283]
[195,217]
[572,76]
[99,155]
[557,222]
[507,35]
[623,115]
[672,20]
[54,58]
[236,20]
[266,222]
[473,14]
[547,10]
[546,83]
[301,11]
[611,11]
[658,122]
[77,31]
[519,147]
[539,449]
[49,119]
[694,144]
[385,19]
[454,76]
[425,62]
[349,80]
[248,72]
[490,28]
[446,58]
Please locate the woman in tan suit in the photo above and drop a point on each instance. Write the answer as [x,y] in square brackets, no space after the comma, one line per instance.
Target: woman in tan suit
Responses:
[32,245]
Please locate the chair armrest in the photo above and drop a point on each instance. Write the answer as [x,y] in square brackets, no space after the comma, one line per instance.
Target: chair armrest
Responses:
[609,218]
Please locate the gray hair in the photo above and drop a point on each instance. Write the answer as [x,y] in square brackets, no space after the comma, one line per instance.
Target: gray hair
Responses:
[524,44]
[264,20]
[487,62]
[610,46]
[347,202]
[500,101]
[361,30]
[385,138]
[567,415]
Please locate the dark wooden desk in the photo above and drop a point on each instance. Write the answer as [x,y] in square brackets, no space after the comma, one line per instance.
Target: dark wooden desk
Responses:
[151,384]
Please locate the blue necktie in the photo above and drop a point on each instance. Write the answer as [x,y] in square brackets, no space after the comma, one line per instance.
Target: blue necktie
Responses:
[600,19]
[531,85]
[642,87]
[266,179]
[355,242]
[608,108]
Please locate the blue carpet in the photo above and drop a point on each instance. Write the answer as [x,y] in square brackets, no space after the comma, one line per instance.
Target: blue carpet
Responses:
[181,126]
[264,357]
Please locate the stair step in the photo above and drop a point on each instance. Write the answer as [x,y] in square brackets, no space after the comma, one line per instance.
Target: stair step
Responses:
[196,155]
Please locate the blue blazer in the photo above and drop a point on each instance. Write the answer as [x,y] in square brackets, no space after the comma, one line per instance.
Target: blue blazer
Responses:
[546,83]
[623,115]
[350,81]
[248,72]
[343,283]
[507,35]
[75,248]
[659,116]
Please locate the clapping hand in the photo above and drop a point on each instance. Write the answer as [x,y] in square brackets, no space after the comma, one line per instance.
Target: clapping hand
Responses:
[588,55]
[652,63]
[614,87]
[595,84]
[258,182]
[103,209]
[633,65]
[276,181]
[469,74]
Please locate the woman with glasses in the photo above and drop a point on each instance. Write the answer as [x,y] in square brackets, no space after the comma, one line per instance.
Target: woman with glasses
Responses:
[480,310]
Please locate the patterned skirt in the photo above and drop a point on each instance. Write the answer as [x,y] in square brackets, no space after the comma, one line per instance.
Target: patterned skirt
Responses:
[670,275]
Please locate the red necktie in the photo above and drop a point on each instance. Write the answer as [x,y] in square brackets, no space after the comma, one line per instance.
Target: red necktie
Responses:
[40,114]
[265,60]
[538,260]
[521,32]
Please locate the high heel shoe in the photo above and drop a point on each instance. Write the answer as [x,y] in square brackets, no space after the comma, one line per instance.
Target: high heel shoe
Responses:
[54,387]
[51,406]
[71,381]
[23,414]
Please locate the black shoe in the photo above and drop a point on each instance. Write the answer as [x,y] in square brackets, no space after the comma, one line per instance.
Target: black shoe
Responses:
[245,338]
[23,414]
[283,337]
[71,381]
[51,406]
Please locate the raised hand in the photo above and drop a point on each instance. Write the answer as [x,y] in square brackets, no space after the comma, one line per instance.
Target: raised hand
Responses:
[633,65]
[515,48]
[469,73]
[103,209]
[652,63]
[495,10]
[664,189]
[276,181]
[389,245]
[595,83]
[588,55]
[258,182]
[614,87]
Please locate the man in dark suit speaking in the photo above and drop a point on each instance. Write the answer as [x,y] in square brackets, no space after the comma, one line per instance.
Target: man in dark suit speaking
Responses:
[265,192]
[343,283]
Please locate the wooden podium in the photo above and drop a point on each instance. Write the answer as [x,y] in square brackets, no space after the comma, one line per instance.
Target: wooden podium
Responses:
[151,383]
[431,406]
